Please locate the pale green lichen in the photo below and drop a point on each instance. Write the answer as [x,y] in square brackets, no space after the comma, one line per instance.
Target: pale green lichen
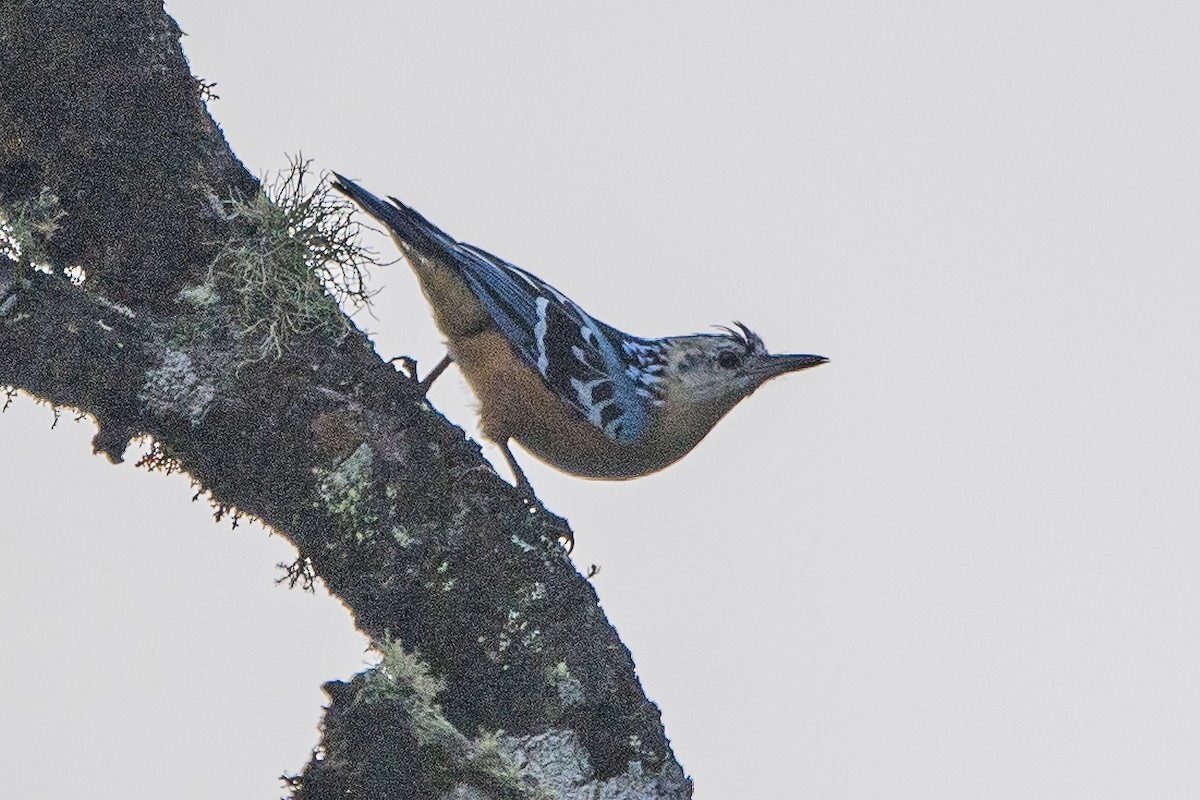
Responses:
[202,295]
[343,490]
[532,592]
[496,762]
[174,386]
[348,493]
[344,486]
[557,764]
[291,253]
[636,767]
[400,669]
[27,226]
[521,543]
[488,765]
[404,678]
[402,537]
[568,687]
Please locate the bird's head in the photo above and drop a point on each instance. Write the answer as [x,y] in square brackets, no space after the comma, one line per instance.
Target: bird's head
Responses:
[716,370]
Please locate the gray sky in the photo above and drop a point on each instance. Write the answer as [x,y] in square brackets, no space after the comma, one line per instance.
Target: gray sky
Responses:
[961,560]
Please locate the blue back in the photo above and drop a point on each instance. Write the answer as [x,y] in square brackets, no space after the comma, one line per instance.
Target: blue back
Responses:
[611,379]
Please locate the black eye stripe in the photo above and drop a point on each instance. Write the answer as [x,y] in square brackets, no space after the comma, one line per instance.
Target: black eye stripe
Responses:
[728,360]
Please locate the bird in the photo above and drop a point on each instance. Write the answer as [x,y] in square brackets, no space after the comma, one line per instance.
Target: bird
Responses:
[575,392]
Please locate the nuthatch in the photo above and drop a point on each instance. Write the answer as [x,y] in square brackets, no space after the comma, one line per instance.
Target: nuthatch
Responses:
[579,394]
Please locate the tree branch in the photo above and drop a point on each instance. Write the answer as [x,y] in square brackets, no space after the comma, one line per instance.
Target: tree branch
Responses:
[500,675]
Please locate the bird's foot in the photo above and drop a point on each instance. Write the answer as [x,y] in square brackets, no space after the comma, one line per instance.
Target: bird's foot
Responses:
[408,365]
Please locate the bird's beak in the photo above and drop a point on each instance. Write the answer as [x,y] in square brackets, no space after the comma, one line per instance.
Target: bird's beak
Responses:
[777,365]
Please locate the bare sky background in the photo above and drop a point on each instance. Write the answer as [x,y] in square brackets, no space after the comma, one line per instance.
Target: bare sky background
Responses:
[959,561]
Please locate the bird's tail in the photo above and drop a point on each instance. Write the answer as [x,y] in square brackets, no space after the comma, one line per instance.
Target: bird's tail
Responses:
[404,223]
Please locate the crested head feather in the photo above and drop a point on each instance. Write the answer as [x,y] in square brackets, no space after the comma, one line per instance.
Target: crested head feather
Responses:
[747,338]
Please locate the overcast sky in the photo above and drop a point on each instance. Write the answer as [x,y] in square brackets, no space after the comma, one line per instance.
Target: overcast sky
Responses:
[962,560]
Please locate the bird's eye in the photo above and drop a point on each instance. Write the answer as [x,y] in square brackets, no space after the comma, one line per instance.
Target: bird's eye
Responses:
[728,360]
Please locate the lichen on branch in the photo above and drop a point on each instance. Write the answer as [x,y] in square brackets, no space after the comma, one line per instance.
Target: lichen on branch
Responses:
[292,257]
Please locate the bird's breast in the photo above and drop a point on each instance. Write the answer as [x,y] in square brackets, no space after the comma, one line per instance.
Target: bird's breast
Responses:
[515,403]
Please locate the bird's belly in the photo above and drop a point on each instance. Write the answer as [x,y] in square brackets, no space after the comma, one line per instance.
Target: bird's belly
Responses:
[595,457]
[515,403]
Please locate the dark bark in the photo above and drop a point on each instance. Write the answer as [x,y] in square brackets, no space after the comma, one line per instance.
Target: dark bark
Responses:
[501,676]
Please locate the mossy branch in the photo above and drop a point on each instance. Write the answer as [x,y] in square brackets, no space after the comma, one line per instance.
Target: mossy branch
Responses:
[294,256]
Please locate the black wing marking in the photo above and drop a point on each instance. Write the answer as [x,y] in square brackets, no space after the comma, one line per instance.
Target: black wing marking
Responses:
[609,378]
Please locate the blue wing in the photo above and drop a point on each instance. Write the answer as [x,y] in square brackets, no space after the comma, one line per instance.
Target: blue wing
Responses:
[609,378]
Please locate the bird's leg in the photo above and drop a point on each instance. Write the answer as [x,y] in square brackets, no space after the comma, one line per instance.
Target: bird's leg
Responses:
[428,380]
[522,483]
[526,489]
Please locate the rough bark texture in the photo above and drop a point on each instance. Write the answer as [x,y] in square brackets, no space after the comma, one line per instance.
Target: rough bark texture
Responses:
[500,675]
